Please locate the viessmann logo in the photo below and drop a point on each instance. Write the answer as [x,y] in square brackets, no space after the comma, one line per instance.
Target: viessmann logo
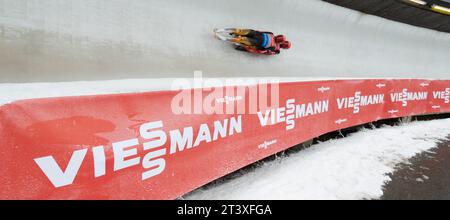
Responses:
[357,101]
[157,144]
[406,96]
[292,111]
[444,95]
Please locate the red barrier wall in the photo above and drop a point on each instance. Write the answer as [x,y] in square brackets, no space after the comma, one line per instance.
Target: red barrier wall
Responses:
[132,146]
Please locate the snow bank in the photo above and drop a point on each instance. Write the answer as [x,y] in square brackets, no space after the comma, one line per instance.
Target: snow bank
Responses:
[10,92]
[351,168]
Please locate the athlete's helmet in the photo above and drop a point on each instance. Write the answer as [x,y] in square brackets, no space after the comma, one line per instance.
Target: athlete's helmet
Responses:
[280,38]
[285,45]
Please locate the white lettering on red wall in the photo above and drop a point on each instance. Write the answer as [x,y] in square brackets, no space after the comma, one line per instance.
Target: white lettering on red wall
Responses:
[155,147]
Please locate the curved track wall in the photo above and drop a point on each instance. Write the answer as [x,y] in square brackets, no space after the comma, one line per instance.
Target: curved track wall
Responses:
[100,39]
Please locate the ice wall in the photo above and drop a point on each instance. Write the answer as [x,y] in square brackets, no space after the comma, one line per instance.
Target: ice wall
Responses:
[54,40]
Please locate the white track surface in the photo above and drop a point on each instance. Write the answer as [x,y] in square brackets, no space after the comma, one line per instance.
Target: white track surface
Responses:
[75,40]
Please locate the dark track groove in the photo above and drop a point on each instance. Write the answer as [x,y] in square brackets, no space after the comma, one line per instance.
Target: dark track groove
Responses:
[398,11]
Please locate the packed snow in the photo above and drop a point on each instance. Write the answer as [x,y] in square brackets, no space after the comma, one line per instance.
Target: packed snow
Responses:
[354,167]
[10,92]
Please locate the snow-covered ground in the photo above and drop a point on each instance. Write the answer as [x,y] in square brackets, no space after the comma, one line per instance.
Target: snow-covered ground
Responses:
[355,167]
[74,40]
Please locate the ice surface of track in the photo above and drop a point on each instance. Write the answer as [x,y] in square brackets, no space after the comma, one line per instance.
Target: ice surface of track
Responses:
[71,40]
[355,167]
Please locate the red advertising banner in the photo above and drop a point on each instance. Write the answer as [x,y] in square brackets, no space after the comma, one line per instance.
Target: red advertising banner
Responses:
[159,145]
